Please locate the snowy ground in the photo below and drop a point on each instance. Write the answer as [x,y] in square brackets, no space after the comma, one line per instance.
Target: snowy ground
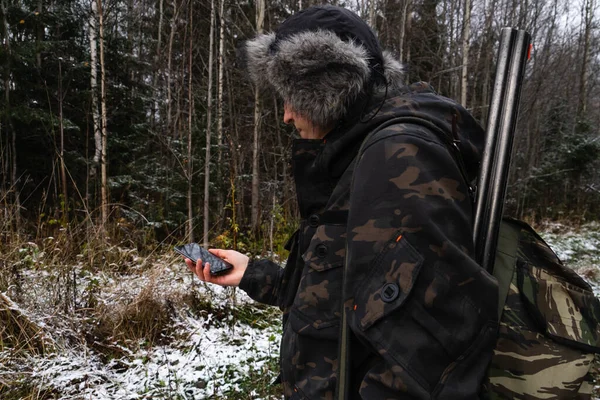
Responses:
[218,344]
[578,249]
[231,351]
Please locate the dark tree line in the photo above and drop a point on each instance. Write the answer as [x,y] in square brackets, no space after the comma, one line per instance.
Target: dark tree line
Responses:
[107,108]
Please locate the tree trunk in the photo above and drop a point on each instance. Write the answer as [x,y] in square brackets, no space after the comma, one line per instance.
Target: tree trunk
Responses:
[208,125]
[260,18]
[103,161]
[465,55]
[583,84]
[39,34]
[403,26]
[281,152]
[488,62]
[237,206]
[169,65]
[12,157]
[156,62]
[408,21]
[190,154]
[372,15]
[221,61]
[63,173]
[453,45]
[94,88]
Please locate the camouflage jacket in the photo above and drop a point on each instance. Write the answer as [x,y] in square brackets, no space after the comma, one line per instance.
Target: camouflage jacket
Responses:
[396,221]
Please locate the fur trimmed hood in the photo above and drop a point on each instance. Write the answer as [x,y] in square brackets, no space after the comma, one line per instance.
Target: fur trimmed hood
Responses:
[321,61]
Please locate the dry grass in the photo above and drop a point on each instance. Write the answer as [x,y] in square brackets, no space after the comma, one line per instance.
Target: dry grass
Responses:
[20,337]
[18,332]
[71,289]
[146,318]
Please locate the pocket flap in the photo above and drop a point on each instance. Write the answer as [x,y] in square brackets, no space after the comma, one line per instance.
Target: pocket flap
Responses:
[564,312]
[327,248]
[390,281]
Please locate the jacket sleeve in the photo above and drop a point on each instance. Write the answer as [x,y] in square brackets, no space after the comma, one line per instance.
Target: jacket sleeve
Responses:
[423,311]
[262,281]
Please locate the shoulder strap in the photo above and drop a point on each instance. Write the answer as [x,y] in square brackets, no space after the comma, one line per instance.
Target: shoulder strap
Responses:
[506,260]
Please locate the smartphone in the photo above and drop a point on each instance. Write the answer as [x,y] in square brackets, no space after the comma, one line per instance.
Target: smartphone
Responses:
[194,251]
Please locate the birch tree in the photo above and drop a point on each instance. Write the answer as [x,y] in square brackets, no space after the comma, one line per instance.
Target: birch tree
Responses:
[260,19]
[190,159]
[103,161]
[208,126]
[94,87]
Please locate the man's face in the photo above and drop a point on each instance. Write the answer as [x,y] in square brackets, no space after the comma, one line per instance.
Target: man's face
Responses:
[305,128]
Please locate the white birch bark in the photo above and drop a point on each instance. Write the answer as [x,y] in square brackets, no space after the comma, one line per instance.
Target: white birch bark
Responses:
[103,158]
[94,87]
[190,165]
[260,18]
[208,126]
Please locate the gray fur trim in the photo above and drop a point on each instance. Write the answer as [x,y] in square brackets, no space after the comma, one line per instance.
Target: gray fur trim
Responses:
[257,57]
[318,75]
[393,70]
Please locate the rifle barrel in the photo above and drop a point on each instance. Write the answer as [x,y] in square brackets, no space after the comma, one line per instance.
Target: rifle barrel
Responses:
[502,119]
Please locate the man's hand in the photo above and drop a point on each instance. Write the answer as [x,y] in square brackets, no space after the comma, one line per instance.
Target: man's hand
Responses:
[231,278]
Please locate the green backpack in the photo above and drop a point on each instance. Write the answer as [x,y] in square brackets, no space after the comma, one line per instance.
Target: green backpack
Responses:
[549,322]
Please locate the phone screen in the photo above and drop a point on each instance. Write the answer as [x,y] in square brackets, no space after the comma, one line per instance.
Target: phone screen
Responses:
[194,252]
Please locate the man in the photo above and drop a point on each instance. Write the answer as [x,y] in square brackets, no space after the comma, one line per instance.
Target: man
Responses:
[382,176]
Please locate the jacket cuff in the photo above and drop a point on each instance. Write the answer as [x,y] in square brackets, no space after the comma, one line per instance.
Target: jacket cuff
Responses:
[249,277]
[261,281]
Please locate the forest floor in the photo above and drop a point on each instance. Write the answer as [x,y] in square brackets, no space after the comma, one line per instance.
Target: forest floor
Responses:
[150,332]
[144,328]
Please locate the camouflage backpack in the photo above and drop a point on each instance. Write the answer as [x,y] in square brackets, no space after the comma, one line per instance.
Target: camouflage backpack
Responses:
[549,322]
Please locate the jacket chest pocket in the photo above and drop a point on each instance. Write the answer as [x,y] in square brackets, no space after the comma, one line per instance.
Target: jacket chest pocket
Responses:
[317,305]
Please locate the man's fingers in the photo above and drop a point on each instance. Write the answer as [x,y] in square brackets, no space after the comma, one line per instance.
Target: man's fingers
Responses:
[199,271]
[220,253]
[232,278]
[206,272]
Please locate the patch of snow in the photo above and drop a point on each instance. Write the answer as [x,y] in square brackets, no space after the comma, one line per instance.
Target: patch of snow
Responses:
[206,356]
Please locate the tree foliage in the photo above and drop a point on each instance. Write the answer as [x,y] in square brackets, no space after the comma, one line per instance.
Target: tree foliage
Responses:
[45,64]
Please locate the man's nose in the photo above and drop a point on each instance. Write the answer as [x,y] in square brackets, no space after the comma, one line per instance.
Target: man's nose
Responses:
[288,116]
